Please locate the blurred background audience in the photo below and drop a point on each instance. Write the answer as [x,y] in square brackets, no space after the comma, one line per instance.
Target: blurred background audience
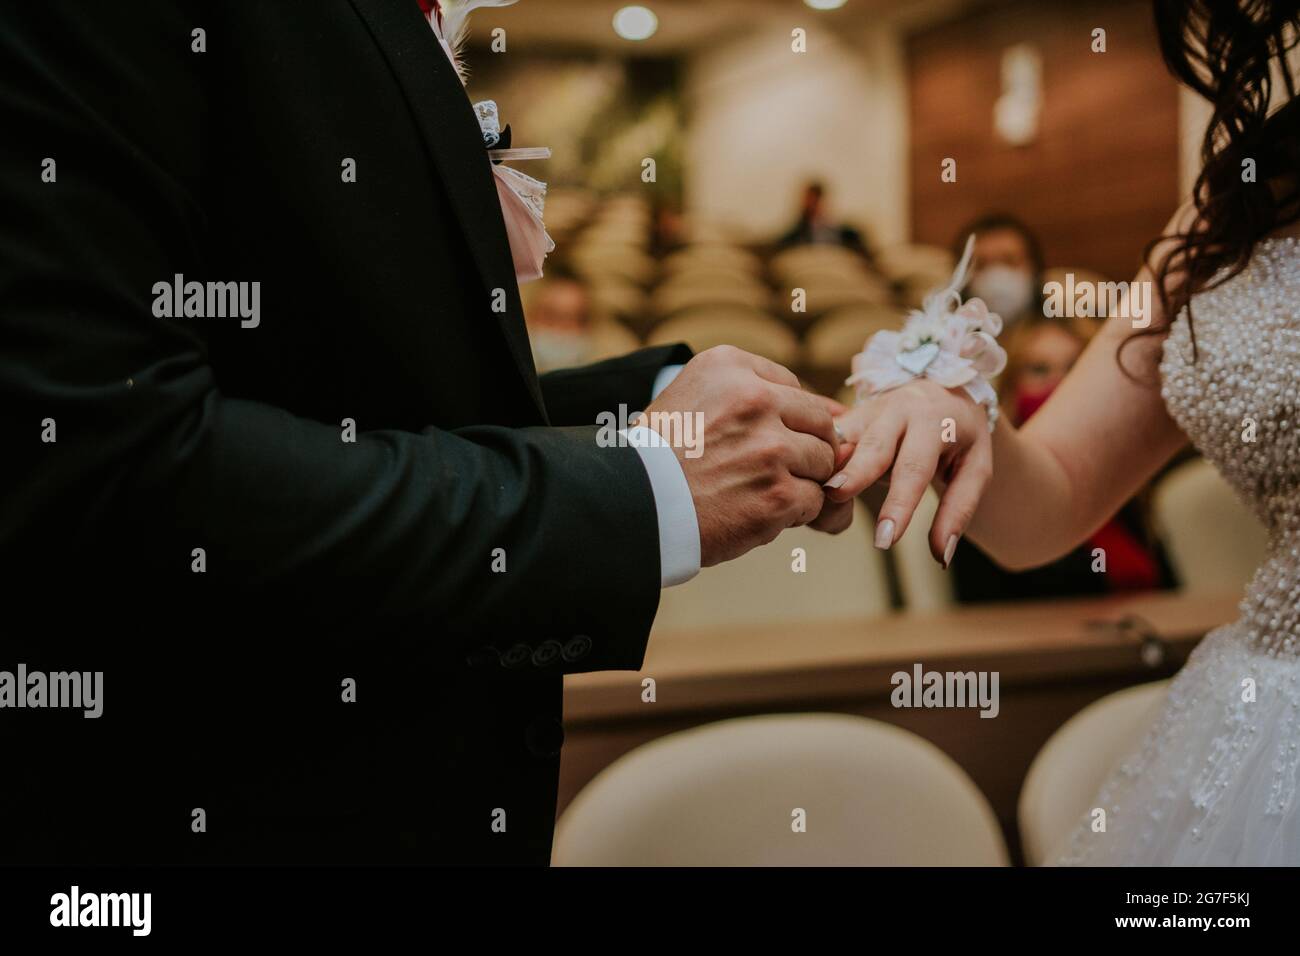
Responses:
[558,311]
[1040,351]
[1006,268]
[815,223]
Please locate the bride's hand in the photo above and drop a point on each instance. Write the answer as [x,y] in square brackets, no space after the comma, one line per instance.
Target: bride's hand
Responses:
[921,431]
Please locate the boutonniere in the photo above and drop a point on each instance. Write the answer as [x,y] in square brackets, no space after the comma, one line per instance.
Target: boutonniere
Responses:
[523,198]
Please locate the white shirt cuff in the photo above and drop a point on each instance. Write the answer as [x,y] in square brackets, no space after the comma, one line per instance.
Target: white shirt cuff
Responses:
[679,529]
[664,379]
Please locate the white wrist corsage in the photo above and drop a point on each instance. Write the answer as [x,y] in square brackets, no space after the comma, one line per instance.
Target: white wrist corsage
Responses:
[951,342]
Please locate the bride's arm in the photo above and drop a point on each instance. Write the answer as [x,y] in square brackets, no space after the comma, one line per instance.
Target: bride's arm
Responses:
[1097,440]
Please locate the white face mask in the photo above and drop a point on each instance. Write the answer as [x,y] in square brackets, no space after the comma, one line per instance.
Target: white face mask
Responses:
[552,350]
[1005,290]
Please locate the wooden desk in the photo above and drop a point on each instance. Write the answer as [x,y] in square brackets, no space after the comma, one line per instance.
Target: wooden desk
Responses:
[1053,658]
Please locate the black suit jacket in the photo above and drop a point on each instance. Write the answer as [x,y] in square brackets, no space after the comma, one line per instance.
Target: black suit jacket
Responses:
[323,561]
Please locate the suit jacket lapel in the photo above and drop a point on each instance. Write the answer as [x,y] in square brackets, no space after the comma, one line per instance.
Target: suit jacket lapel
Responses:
[443,113]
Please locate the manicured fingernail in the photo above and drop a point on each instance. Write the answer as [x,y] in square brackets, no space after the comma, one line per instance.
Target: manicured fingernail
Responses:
[885,534]
[839,481]
[948,550]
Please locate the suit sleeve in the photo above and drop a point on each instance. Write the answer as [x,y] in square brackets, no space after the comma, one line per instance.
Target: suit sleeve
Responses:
[479,541]
[575,396]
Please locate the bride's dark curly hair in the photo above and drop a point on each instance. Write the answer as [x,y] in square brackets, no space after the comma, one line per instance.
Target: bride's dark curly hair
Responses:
[1225,50]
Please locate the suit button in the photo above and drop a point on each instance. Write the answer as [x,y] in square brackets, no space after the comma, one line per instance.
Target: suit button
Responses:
[481,657]
[544,737]
[577,648]
[546,653]
[516,656]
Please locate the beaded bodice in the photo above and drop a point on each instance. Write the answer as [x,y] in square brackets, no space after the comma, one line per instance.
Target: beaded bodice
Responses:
[1239,403]
[1216,777]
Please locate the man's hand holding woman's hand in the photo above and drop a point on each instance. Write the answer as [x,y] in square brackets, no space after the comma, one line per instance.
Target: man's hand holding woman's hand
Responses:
[776,456]
[768,449]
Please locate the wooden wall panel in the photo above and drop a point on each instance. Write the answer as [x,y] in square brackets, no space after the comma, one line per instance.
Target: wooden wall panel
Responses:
[1100,179]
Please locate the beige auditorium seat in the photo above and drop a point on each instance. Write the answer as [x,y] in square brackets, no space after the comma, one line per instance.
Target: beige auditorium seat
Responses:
[614,219]
[611,218]
[626,203]
[600,262]
[611,234]
[697,231]
[1214,541]
[823,297]
[568,208]
[852,273]
[610,339]
[836,338]
[674,297]
[617,298]
[1061,273]
[844,577]
[712,255]
[732,794]
[596,239]
[749,329]
[820,262]
[913,291]
[867,284]
[816,257]
[916,270]
[903,262]
[697,274]
[926,586]
[613,215]
[1065,776]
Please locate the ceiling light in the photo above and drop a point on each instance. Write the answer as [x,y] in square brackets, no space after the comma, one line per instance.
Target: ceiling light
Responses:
[636,23]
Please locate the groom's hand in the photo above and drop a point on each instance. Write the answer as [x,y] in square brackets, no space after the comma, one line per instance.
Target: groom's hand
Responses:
[767,447]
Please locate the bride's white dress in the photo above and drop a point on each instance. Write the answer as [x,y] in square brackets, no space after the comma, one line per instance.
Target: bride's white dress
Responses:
[1215,780]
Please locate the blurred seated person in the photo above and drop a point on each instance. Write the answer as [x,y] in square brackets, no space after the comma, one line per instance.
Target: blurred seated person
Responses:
[815,224]
[1006,268]
[557,311]
[562,327]
[668,227]
[1039,353]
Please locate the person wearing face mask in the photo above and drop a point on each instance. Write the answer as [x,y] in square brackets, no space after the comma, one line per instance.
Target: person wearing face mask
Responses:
[1007,267]
[1040,352]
